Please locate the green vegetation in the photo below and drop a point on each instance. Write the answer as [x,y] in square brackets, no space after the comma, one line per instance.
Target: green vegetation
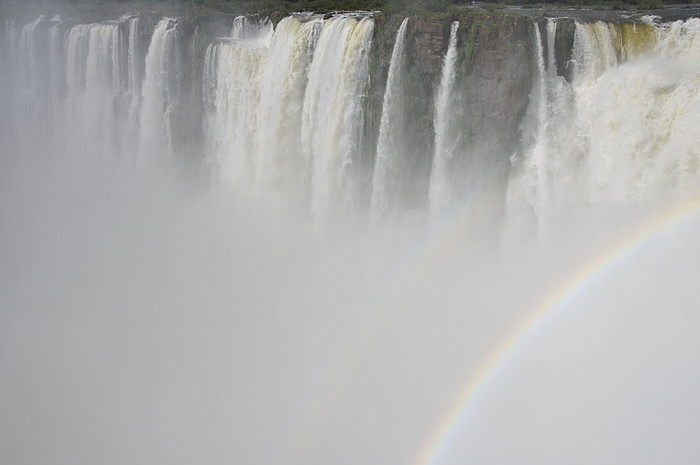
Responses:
[281,7]
[196,7]
[471,43]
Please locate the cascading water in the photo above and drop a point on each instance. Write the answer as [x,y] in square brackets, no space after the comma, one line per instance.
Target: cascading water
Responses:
[627,108]
[134,64]
[440,195]
[161,92]
[232,80]
[284,116]
[387,168]
[95,81]
[280,164]
[333,114]
[29,111]
[83,90]
[642,148]
[56,70]
[252,28]
[534,188]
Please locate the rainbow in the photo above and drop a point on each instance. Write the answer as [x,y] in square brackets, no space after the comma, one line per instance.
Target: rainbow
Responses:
[449,427]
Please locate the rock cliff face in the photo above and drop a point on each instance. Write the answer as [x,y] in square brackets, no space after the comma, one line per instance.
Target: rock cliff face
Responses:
[494,75]
[563,44]
[493,92]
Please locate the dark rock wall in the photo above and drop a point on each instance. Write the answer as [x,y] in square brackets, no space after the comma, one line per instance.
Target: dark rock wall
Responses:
[426,46]
[494,76]
[494,79]
[563,45]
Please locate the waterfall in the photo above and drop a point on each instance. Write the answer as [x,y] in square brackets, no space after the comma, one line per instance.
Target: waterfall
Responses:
[5,85]
[56,71]
[284,116]
[132,99]
[135,71]
[543,180]
[642,148]
[252,28]
[160,92]
[29,59]
[333,114]
[95,82]
[28,56]
[551,56]
[628,108]
[280,163]
[536,167]
[233,71]
[76,91]
[387,169]
[543,177]
[594,50]
[440,195]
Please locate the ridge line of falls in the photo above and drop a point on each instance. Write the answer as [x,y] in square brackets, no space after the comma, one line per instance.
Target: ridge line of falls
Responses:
[440,195]
[386,183]
[286,112]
